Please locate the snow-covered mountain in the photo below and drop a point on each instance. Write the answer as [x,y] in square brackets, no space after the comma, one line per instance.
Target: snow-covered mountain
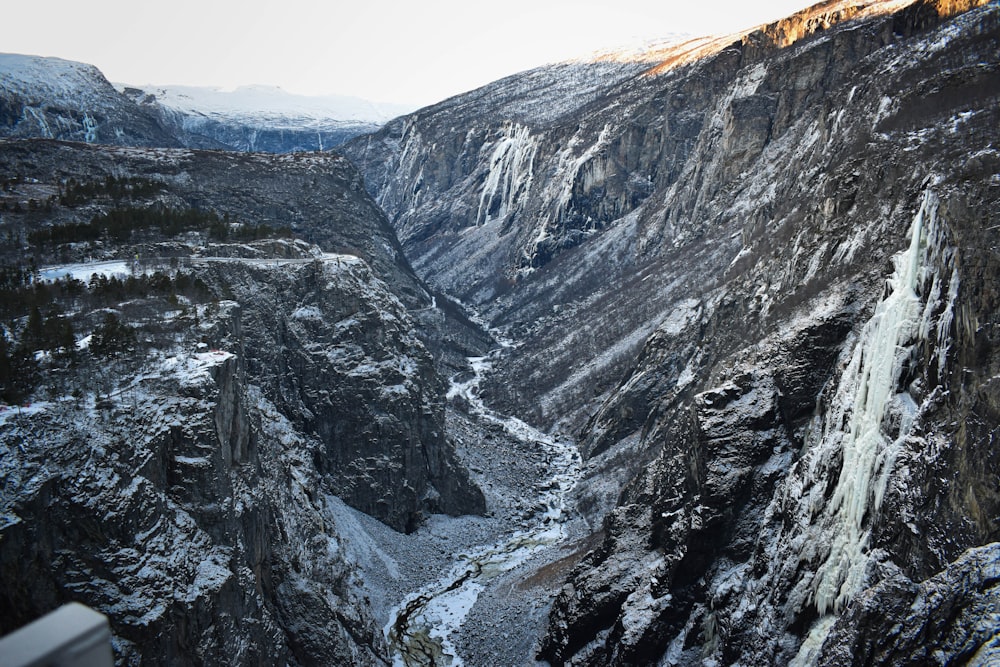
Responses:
[261,118]
[60,99]
[268,102]
[722,388]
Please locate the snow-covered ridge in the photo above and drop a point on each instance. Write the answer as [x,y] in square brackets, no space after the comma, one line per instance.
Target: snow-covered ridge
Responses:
[651,51]
[265,102]
[55,79]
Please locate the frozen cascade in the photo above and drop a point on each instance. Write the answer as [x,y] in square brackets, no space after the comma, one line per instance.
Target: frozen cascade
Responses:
[864,398]
[420,628]
[90,128]
[510,174]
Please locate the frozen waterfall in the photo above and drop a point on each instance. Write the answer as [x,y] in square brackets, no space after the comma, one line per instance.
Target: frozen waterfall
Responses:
[868,399]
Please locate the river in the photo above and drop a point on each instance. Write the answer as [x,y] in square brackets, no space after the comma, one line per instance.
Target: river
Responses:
[421,628]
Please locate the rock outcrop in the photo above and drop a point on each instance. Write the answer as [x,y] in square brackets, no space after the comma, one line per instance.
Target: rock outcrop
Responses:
[761,268]
[339,355]
[188,511]
[188,478]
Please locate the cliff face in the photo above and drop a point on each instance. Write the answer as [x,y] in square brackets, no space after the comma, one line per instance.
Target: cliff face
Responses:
[185,470]
[59,99]
[759,279]
[619,185]
[340,356]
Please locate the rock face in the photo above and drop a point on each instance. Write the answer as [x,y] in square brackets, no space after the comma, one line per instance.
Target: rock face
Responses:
[190,513]
[340,355]
[190,485]
[763,266]
[60,99]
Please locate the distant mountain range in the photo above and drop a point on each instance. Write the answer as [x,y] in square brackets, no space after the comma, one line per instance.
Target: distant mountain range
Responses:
[61,99]
[260,118]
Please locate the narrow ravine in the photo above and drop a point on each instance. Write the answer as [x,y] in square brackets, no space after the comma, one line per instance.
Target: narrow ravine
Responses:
[421,629]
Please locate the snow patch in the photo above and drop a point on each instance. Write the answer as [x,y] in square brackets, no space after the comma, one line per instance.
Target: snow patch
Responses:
[83,271]
[307,313]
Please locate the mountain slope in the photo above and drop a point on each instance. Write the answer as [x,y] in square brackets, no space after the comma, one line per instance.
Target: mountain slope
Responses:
[196,394]
[758,281]
[61,99]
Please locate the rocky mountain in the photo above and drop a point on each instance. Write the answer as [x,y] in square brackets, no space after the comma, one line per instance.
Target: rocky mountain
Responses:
[679,357]
[260,118]
[59,99]
[207,355]
[756,280]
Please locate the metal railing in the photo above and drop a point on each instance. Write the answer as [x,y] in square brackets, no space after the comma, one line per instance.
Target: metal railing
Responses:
[71,636]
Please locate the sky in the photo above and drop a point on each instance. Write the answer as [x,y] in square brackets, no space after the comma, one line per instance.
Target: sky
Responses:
[413,53]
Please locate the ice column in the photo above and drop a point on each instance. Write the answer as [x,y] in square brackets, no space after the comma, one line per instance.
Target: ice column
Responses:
[864,397]
[510,172]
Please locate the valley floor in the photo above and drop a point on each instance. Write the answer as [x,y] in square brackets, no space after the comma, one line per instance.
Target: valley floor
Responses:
[522,549]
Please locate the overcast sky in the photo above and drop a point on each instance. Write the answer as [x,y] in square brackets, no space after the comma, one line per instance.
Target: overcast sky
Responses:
[416,52]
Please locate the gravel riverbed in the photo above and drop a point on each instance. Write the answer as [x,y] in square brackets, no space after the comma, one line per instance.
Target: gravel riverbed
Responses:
[510,608]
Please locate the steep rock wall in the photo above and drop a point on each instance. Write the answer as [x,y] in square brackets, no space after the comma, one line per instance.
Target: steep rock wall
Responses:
[339,355]
[722,229]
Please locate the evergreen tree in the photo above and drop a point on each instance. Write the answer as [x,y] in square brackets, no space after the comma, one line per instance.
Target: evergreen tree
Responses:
[59,336]
[112,337]
[18,373]
[34,333]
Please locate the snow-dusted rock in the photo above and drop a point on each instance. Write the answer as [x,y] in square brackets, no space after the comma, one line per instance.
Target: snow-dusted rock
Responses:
[757,279]
[62,99]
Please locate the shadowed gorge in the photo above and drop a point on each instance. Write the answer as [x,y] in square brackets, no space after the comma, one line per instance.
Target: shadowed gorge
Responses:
[683,357]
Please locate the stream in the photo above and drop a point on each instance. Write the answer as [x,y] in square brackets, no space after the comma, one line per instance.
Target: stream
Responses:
[420,628]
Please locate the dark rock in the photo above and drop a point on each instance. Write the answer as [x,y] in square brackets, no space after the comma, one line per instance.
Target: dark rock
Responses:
[690,259]
[899,622]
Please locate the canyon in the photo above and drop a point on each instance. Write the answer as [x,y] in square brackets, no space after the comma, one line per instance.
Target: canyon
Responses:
[679,357]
